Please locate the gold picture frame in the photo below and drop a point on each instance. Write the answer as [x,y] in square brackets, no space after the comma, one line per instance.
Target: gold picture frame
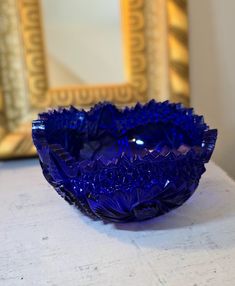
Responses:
[148,32]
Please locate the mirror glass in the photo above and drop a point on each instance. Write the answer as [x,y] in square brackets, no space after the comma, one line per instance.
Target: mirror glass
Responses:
[83,41]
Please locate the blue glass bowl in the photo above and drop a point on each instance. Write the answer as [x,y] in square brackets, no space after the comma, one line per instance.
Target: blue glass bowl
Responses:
[124,165]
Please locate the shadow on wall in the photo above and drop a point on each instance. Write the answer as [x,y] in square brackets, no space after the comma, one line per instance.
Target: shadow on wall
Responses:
[212,56]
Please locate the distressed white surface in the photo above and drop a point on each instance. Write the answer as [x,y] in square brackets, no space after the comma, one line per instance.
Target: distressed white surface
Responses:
[44,241]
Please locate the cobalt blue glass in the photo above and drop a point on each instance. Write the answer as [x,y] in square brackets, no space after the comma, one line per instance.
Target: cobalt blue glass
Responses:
[124,165]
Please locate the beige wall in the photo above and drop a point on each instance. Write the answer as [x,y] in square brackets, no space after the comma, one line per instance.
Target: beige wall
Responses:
[83,41]
[212,44]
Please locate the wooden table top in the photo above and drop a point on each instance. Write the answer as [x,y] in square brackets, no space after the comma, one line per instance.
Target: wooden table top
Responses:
[45,241]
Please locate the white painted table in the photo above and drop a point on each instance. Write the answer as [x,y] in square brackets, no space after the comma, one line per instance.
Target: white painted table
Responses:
[45,241]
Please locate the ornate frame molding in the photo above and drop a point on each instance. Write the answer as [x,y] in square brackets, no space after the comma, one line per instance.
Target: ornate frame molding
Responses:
[177,22]
[152,68]
[41,95]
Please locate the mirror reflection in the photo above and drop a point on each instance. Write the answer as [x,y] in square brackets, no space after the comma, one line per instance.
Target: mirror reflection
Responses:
[83,41]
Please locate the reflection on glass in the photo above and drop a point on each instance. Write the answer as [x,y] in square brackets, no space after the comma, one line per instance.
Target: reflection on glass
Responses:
[83,40]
